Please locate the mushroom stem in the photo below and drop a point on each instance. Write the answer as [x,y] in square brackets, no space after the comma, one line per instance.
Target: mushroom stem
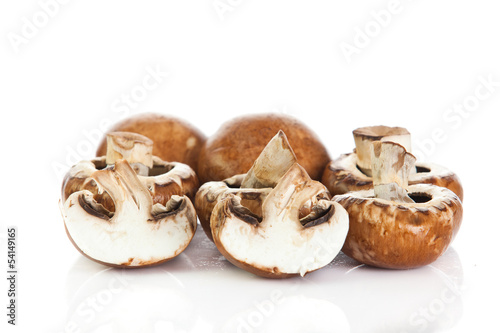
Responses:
[391,166]
[365,136]
[134,148]
[273,162]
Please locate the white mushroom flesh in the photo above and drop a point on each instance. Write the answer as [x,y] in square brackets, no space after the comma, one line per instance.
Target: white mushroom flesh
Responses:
[137,234]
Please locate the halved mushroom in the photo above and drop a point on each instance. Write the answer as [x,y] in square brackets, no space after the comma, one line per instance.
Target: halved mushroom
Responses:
[163,179]
[284,227]
[396,225]
[352,172]
[278,243]
[138,233]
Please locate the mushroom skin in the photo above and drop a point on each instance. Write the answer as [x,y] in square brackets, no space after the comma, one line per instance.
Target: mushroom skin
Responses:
[164,180]
[139,233]
[399,235]
[343,175]
[174,139]
[280,244]
[237,143]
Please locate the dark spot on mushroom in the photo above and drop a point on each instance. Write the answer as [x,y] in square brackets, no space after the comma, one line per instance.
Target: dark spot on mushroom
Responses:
[244,214]
[420,197]
[318,216]
[380,204]
[93,210]
[421,169]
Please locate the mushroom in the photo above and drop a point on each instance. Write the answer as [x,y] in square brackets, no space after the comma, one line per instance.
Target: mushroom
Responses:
[396,225]
[174,139]
[281,226]
[163,179]
[139,233]
[352,172]
[238,142]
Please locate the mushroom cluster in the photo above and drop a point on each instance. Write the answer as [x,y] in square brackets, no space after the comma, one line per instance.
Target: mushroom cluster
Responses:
[129,208]
[273,221]
[264,209]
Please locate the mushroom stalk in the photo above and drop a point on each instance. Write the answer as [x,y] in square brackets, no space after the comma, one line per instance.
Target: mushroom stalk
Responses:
[391,167]
[365,136]
[135,148]
[274,161]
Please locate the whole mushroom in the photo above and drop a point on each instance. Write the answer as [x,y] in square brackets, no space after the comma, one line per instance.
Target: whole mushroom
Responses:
[162,179]
[352,172]
[396,225]
[138,233]
[174,139]
[279,223]
[238,142]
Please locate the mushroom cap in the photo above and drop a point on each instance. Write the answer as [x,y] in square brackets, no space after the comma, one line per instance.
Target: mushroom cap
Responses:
[279,244]
[401,235]
[139,233]
[235,146]
[174,139]
[342,175]
[165,179]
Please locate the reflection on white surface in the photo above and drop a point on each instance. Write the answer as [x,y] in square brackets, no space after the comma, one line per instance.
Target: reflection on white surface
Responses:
[200,291]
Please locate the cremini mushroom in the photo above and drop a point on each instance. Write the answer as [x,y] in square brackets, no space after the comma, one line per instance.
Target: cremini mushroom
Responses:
[138,233]
[279,222]
[238,142]
[162,179]
[352,172]
[174,139]
[396,225]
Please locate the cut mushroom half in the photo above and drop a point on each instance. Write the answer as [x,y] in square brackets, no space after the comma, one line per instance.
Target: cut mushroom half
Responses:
[138,233]
[352,172]
[398,226]
[278,243]
[273,221]
[162,179]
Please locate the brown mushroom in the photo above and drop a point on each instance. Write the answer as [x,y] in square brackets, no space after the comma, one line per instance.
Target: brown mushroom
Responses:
[279,222]
[175,140]
[396,225]
[163,179]
[138,233]
[238,142]
[352,172]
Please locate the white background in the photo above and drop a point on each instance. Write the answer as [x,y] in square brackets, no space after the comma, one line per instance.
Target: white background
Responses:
[63,76]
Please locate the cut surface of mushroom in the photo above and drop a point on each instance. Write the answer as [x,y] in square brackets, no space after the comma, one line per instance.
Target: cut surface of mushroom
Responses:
[279,243]
[138,233]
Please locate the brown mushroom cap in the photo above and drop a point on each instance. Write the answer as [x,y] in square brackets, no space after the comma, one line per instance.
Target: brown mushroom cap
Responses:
[174,139]
[401,235]
[342,175]
[238,143]
[164,180]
